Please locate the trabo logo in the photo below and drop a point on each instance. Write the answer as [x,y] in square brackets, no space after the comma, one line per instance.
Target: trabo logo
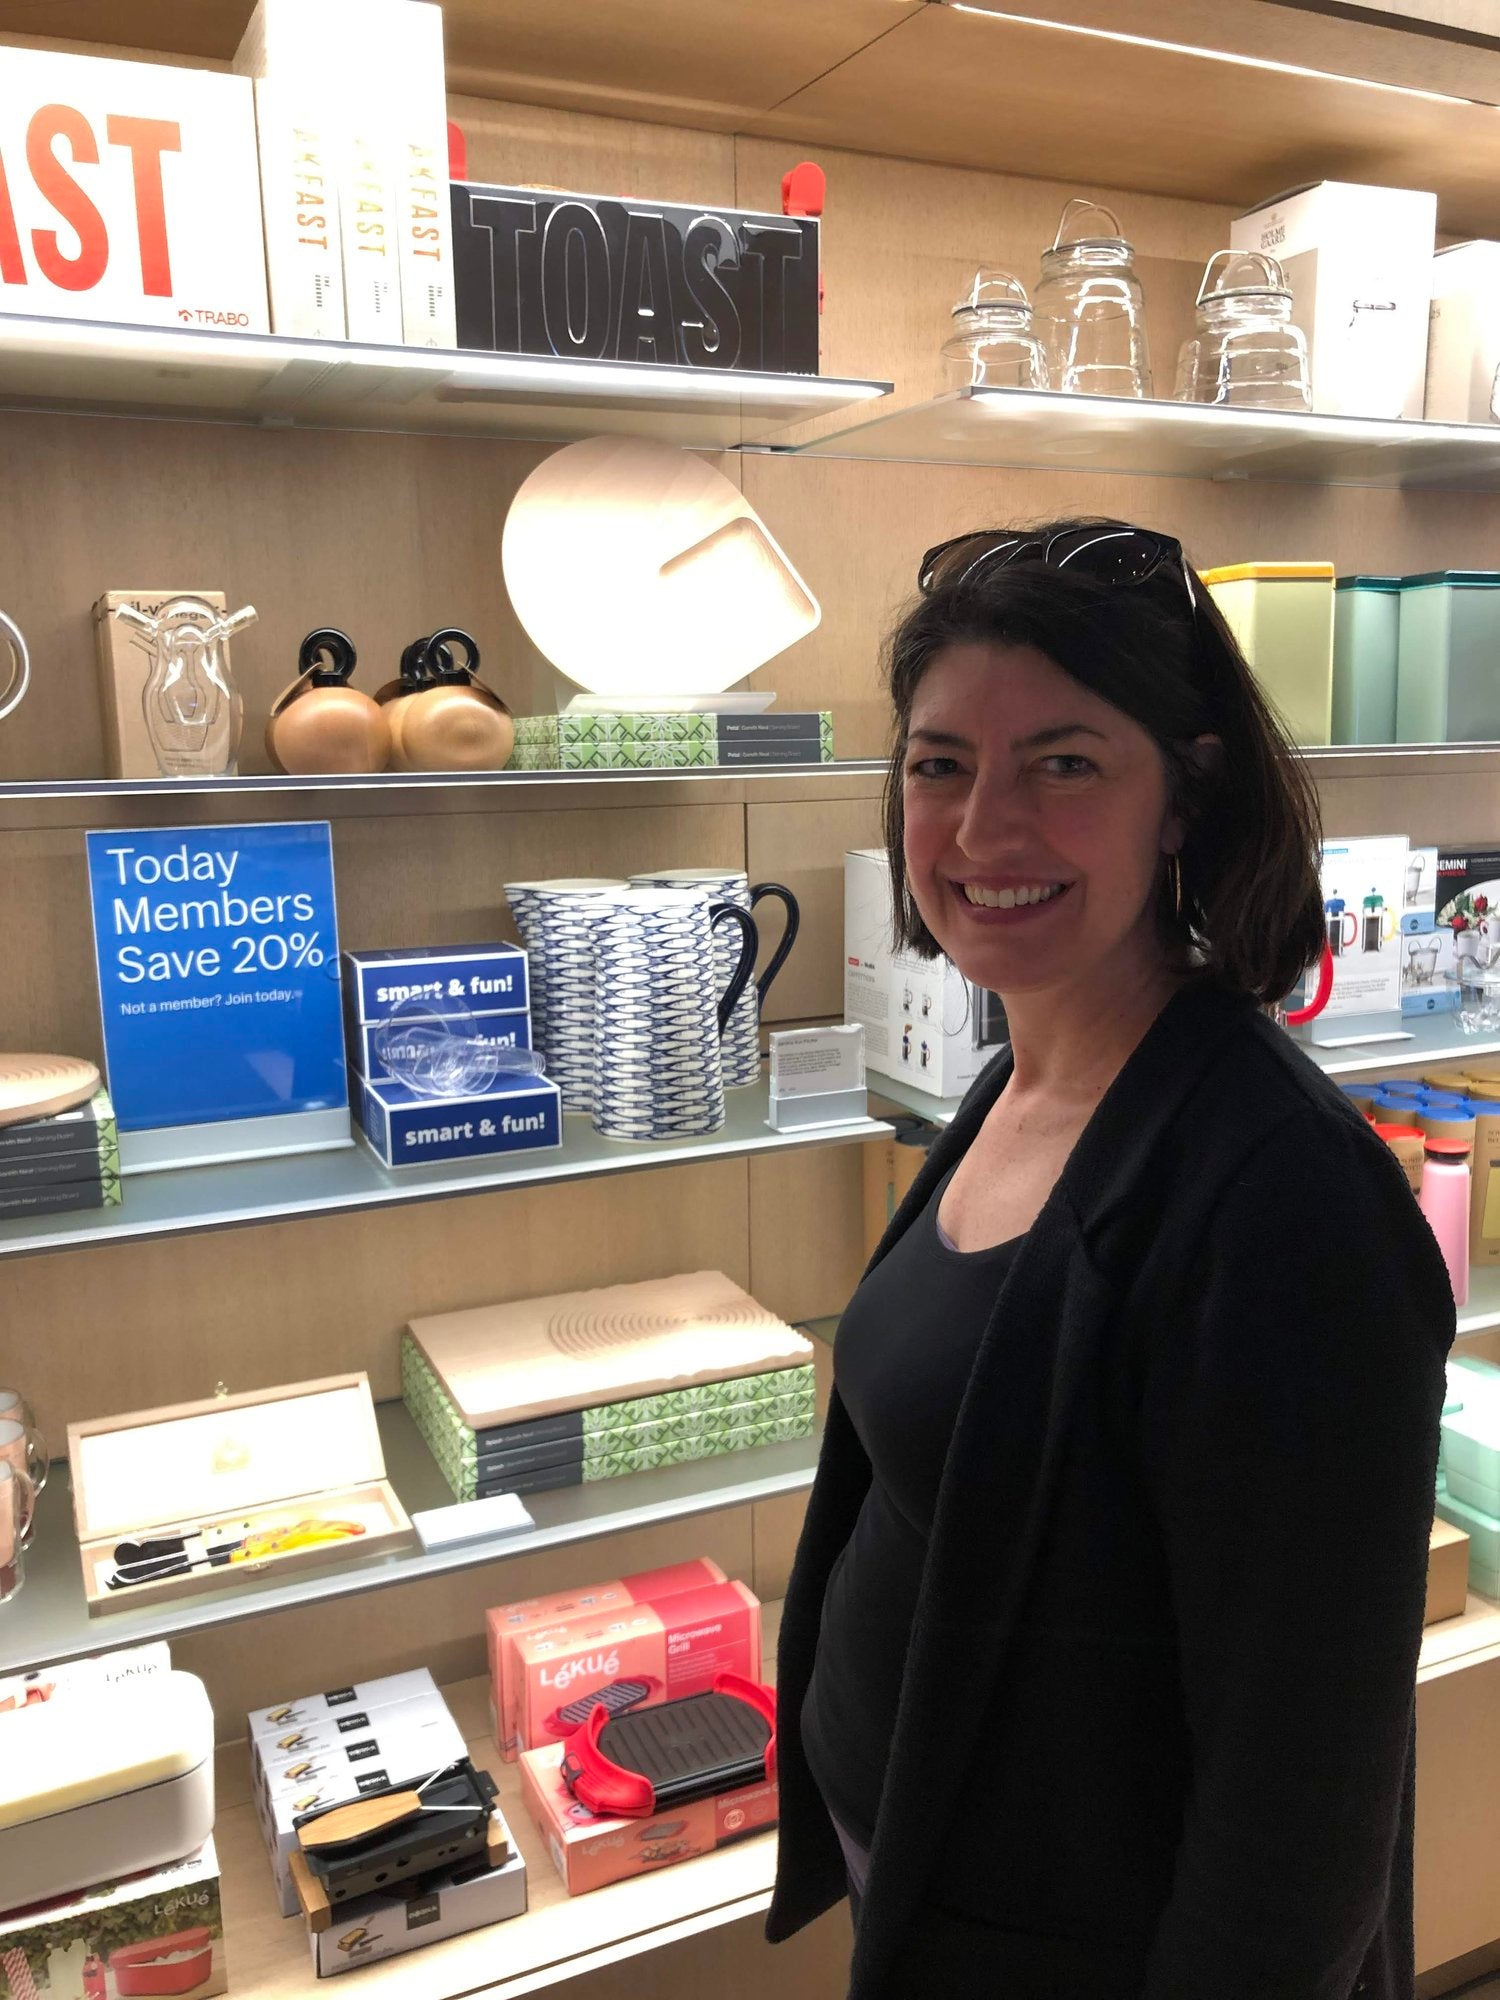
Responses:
[603,1666]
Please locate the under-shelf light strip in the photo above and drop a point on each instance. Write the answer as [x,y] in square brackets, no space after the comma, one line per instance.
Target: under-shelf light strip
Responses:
[1260,424]
[1213,55]
[169,348]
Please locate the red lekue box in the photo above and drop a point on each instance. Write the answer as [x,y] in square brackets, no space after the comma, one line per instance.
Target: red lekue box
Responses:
[634,1657]
[506,1621]
[589,1850]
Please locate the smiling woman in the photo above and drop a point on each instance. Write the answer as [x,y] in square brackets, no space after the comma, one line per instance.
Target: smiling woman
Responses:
[1057,1602]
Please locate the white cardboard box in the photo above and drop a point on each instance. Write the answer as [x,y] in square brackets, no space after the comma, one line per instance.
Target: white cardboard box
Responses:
[374,1927]
[143,205]
[1359,263]
[1367,879]
[924,1022]
[1463,335]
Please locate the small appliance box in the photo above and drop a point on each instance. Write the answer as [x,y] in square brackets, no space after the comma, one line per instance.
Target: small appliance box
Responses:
[924,1022]
[504,1622]
[150,1934]
[637,1657]
[410,1735]
[590,1851]
[375,1927]
[220,1473]
[349,1705]
[124,659]
[1364,891]
[1359,264]
[128,192]
[486,978]
[405,1129]
[1463,337]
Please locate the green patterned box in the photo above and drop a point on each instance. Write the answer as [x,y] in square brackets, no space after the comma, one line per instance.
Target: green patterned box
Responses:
[671,1428]
[664,741]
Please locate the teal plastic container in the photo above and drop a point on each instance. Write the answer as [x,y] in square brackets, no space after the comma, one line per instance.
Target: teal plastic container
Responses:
[1366,642]
[1448,659]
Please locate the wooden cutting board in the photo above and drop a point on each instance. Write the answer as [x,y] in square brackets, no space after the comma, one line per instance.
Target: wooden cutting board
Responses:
[639,569]
[509,1363]
[38,1086]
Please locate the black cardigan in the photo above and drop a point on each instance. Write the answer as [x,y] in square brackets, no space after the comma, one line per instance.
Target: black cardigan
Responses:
[1155,1740]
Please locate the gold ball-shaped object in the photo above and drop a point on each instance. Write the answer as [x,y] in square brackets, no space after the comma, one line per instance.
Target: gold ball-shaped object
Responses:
[330,730]
[450,729]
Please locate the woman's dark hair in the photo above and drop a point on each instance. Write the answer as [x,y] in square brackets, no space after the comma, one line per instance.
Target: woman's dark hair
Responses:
[1251,915]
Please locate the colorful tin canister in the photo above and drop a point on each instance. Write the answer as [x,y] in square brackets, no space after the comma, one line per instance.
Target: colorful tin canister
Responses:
[1282,615]
[1366,638]
[1448,665]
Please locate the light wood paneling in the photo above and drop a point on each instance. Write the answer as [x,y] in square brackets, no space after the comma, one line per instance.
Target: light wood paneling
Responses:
[1458,1786]
[806,1212]
[734,1963]
[803,847]
[533,145]
[133,1325]
[778,1527]
[400,881]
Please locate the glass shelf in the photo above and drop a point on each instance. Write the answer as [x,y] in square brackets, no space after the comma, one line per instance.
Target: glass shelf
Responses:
[50,1621]
[1045,430]
[272,380]
[185,1199]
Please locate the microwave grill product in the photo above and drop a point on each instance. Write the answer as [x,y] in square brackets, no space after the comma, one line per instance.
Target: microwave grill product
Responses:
[653,1759]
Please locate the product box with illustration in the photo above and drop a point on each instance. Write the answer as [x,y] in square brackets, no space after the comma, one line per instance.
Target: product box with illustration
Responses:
[1359,263]
[591,1850]
[167,1501]
[647,740]
[124,661]
[1463,337]
[924,1022]
[148,1934]
[1364,897]
[370,1928]
[128,192]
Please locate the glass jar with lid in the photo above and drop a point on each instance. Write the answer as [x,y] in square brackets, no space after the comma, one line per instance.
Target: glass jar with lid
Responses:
[1091,310]
[994,344]
[1245,351]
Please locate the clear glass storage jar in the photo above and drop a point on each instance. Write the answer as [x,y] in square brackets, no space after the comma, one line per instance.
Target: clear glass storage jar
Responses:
[1245,351]
[1091,311]
[994,344]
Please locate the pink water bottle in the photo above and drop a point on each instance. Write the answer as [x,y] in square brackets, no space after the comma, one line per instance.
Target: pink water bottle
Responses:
[1449,1141]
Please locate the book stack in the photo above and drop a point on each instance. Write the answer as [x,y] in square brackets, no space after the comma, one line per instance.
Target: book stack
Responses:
[68,1161]
[584,1386]
[647,741]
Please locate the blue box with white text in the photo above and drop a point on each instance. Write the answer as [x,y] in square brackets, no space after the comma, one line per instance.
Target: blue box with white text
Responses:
[404,1129]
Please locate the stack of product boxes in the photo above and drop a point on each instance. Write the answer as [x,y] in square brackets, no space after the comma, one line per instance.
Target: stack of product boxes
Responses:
[406,1128]
[158,1932]
[68,1161]
[1450,924]
[631,1643]
[327,1749]
[647,741]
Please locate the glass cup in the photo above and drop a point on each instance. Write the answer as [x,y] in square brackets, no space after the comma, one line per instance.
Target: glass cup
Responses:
[17,1511]
[32,1459]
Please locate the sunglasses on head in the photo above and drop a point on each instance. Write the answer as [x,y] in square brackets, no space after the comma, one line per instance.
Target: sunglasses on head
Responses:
[1114,554]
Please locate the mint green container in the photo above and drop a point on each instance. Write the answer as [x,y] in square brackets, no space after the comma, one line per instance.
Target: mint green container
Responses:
[1366,639]
[1448,663]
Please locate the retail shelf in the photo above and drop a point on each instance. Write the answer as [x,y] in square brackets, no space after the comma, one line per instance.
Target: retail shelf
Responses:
[185,1199]
[559,1938]
[1365,1043]
[1041,429]
[1454,1642]
[50,1620]
[1483,1309]
[272,380]
[920,1103]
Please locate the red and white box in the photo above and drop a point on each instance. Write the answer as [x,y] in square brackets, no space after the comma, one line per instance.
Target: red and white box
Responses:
[129,192]
[590,1851]
[507,1621]
[636,1657]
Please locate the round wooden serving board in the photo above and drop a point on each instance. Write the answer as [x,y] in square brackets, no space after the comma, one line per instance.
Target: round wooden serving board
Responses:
[39,1086]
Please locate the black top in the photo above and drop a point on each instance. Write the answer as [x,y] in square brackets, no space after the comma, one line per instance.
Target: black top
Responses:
[1155,1733]
[902,1360]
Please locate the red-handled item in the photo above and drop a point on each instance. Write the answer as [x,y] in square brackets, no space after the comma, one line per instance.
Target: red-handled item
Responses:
[1295,1016]
[634,1765]
[803,192]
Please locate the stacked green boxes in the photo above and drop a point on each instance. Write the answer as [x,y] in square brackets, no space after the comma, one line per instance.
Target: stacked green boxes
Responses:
[610,1439]
[49,1166]
[1468,1491]
[665,742]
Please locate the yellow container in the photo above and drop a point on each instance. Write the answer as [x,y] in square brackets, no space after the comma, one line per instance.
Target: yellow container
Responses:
[1282,615]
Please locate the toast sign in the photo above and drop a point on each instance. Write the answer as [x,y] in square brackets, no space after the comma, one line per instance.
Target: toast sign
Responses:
[128,192]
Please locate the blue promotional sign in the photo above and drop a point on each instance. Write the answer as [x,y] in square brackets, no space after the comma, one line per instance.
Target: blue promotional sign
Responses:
[218,981]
